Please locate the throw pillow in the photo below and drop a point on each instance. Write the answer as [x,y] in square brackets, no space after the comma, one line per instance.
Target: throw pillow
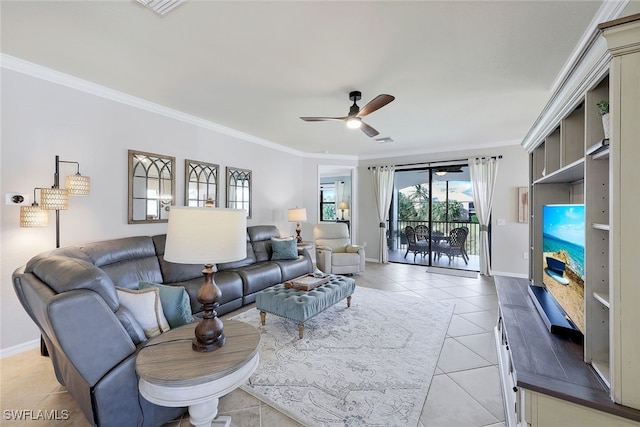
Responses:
[284,249]
[146,308]
[176,303]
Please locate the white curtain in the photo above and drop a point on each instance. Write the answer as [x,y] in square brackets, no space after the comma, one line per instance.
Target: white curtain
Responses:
[383,192]
[483,173]
[339,195]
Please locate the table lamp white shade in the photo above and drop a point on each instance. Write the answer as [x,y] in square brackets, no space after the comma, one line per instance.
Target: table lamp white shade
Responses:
[205,235]
[343,205]
[297,215]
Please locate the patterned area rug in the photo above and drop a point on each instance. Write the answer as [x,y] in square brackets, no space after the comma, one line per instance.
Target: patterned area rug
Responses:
[367,365]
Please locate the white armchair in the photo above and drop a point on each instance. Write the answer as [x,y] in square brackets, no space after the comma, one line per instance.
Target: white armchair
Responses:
[334,252]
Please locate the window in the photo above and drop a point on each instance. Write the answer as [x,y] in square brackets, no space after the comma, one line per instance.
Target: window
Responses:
[327,203]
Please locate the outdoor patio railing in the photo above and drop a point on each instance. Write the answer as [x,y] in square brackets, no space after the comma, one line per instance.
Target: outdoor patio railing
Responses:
[397,239]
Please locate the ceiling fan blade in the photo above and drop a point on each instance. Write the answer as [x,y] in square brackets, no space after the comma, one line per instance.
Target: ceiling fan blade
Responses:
[371,132]
[322,119]
[375,104]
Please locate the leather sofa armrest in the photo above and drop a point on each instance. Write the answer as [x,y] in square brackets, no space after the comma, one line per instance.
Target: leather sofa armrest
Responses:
[88,333]
[355,248]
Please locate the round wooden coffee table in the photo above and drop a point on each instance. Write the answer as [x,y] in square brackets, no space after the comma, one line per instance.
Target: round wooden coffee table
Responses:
[172,374]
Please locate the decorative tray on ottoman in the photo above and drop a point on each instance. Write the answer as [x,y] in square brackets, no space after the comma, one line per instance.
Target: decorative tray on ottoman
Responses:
[307,282]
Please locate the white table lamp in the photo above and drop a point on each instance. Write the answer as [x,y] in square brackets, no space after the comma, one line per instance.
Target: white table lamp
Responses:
[206,236]
[342,206]
[297,215]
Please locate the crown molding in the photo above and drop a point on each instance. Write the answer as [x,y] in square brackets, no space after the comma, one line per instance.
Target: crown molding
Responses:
[588,63]
[38,71]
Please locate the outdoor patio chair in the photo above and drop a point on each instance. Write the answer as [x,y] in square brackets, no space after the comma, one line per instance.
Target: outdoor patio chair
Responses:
[454,246]
[413,245]
[422,232]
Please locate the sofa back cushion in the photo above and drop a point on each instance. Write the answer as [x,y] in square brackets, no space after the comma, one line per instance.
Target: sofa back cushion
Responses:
[173,272]
[260,237]
[248,260]
[126,261]
[64,274]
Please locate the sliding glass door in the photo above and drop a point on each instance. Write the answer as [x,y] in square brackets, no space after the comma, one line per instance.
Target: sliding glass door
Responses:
[430,207]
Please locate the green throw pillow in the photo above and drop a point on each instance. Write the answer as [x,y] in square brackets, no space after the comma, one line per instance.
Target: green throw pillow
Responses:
[175,301]
[284,249]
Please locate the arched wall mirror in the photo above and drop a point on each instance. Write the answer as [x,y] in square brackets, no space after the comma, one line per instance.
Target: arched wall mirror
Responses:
[201,183]
[239,189]
[151,187]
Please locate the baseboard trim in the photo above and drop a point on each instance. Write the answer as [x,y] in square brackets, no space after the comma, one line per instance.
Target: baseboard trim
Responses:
[453,272]
[509,274]
[20,348]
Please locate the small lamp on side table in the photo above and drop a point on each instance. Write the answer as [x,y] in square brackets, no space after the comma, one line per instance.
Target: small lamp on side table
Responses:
[342,206]
[297,215]
[206,236]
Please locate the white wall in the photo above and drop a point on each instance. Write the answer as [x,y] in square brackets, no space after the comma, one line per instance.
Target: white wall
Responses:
[41,119]
[509,241]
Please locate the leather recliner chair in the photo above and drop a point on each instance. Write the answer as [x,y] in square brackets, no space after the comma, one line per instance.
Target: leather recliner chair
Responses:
[334,252]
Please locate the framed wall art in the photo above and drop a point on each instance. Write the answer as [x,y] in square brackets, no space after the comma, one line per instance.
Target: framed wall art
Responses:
[152,187]
[201,183]
[239,189]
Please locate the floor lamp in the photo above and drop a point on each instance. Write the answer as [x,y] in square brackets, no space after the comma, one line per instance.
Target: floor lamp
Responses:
[56,198]
[206,235]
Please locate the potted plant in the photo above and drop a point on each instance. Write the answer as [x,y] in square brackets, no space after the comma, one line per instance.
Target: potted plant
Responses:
[603,110]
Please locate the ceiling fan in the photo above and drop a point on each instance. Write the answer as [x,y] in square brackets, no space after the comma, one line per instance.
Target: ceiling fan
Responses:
[354,119]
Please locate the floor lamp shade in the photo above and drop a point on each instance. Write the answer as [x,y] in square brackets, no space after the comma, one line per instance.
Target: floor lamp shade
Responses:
[54,198]
[78,185]
[33,216]
[205,235]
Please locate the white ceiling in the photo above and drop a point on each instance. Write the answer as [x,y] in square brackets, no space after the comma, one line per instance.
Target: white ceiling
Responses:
[465,74]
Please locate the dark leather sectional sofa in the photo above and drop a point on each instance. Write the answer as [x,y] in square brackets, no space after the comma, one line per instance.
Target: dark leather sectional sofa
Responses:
[70,294]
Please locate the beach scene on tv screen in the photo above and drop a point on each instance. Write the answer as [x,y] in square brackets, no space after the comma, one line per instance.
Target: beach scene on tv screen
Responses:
[563,257]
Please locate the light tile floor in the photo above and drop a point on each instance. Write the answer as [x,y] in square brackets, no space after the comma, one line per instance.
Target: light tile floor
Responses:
[465,391]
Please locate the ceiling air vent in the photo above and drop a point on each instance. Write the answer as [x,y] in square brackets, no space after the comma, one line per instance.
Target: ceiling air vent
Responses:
[385,140]
[161,7]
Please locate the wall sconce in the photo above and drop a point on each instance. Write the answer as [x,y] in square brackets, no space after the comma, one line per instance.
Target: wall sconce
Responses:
[34,215]
[54,198]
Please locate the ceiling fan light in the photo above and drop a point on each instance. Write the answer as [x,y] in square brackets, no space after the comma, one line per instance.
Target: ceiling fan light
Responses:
[354,123]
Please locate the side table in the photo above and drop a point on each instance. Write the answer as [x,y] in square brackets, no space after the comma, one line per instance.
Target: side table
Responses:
[172,374]
[306,245]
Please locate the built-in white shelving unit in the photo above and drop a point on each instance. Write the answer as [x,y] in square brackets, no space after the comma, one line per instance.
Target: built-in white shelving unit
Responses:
[573,162]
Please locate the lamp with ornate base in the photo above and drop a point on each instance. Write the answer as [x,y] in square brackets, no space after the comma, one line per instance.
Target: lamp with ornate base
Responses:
[342,206]
[297,215]
[206,236]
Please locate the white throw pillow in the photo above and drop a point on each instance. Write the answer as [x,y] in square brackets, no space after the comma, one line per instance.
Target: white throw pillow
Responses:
[146,308]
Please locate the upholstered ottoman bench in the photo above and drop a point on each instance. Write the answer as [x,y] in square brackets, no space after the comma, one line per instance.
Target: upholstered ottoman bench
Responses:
[300,306]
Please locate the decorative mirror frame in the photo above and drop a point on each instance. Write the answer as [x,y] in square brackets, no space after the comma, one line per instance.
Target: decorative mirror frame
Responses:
[150,172]
[235,176]
[201,176]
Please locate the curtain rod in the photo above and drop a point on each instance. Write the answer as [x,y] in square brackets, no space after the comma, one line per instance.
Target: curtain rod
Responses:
[428,164]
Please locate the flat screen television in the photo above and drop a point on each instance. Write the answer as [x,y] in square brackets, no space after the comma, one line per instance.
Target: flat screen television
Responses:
[563,237]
